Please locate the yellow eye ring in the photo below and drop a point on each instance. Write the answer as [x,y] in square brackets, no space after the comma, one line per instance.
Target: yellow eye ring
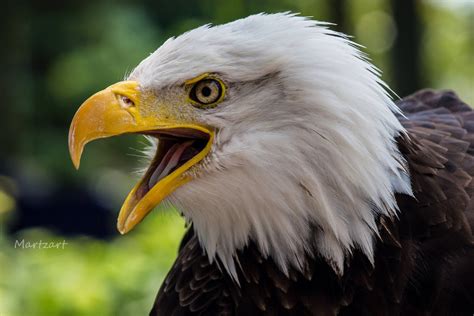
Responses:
[206,91]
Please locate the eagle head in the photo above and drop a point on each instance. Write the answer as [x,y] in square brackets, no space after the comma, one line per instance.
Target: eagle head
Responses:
[272,129]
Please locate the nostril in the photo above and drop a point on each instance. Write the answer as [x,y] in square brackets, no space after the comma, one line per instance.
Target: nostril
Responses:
[125,101]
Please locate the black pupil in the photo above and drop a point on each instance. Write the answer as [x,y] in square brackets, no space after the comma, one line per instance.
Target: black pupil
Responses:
[206,91]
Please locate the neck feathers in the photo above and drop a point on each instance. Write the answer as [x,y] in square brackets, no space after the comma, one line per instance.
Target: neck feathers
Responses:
[313,177]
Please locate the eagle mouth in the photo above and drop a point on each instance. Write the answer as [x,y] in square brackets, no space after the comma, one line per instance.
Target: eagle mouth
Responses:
[176,148]
[179,149]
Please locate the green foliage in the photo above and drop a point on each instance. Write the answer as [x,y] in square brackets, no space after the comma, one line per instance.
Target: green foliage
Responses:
[88,277]
[449,49]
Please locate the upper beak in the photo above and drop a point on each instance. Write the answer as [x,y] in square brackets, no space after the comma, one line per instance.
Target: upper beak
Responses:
[119,109]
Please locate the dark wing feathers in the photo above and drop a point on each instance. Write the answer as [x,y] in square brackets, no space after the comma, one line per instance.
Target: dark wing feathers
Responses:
[193,286]
[424,260]
[440,154]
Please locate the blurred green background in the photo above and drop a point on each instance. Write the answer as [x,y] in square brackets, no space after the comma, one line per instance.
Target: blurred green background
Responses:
[57,53]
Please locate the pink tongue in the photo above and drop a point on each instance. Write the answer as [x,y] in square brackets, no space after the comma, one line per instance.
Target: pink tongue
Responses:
[169,161]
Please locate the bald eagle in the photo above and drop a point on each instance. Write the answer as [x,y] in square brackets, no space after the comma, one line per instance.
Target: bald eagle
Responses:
[307,189]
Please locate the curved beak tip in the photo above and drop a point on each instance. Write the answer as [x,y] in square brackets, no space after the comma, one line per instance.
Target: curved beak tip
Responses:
[75,149]
[75,157]
[75,161]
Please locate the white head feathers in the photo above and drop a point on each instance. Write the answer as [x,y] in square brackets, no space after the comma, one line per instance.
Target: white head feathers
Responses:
[304,158]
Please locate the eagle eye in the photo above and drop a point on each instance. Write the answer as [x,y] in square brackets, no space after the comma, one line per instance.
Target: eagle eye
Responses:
[207,93]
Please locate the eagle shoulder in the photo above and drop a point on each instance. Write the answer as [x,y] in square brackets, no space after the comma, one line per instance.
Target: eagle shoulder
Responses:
[438,222]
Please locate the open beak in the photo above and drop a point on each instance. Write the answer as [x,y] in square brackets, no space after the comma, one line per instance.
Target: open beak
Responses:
[120,109]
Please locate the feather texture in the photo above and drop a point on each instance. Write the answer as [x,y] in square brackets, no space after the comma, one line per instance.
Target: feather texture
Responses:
[305,138]
[320,195]
[422,262]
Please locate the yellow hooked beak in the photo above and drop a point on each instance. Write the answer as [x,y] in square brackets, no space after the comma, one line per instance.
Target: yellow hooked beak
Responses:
[122,108]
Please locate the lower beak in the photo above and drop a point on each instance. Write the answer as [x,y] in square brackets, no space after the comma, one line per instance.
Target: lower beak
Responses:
[117,110]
